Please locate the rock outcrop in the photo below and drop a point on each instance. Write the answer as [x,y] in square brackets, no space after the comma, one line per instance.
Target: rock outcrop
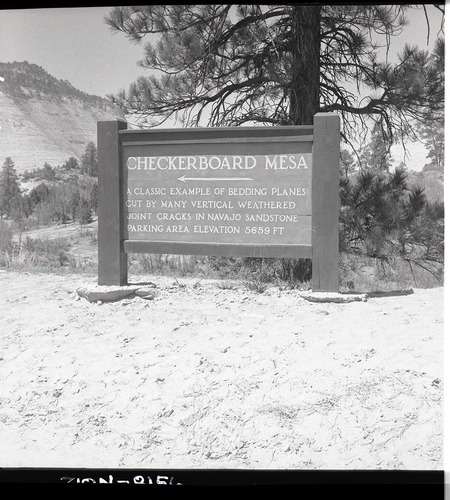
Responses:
[43,119]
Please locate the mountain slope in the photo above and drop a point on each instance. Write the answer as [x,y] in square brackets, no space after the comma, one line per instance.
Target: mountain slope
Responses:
[43,119]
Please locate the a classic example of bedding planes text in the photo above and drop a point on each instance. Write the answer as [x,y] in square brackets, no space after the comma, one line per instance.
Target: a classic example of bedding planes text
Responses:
[219,198]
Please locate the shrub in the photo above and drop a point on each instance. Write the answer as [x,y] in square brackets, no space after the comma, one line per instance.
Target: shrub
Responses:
[360,273]
[47,253]
[6,236]
[84,212]
[255,285]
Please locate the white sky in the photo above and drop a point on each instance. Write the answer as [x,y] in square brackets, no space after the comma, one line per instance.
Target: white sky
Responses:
[75,44]
[72,44]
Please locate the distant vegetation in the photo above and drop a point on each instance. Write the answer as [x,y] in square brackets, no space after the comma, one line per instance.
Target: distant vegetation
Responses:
[68,192]
[25,80]
[431,178]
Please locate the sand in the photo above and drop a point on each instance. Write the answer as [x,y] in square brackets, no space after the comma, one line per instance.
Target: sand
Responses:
[211,375]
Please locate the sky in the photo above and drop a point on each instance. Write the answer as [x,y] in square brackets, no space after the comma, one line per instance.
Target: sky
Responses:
[75,44]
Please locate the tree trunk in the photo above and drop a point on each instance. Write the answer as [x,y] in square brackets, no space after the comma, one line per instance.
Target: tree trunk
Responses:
[304,99]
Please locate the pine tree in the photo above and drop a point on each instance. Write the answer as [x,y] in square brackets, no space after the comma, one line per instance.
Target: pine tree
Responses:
[38,194]
[376,154]
[93,197]
[89,160]
[71,164]
[347,163]
[84,212]
[381,217]
[48,172]
[232,65]
[10,193]
[278,65]
[74,202]
[432,134]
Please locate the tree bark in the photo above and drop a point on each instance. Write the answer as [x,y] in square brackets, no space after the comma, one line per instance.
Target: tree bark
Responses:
[304,96]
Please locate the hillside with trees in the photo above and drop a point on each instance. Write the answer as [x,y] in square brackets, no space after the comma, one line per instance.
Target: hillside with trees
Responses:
[50,195]
[44,119]
[27,80]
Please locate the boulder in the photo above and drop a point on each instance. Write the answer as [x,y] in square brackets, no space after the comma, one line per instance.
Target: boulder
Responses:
[94,293]
[146,292]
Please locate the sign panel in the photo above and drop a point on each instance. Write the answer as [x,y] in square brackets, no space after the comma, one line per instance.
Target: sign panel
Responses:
[226,191]
[223,198]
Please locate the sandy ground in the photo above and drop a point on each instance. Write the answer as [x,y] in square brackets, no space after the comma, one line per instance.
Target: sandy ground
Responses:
[210,377]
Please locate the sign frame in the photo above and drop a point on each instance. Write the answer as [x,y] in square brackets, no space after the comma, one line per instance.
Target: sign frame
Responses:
[321,139]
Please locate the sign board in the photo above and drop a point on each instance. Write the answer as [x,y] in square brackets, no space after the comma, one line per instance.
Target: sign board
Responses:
[255,199]
[236,191]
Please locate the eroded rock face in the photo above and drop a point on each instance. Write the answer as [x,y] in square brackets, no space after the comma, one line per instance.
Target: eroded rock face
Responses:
[44,119]
[103,293]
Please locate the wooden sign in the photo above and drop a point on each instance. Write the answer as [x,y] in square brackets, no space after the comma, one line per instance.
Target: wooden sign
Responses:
[246,199]
[237,191]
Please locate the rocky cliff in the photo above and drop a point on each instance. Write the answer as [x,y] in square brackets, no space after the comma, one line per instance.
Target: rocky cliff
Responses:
[44,119]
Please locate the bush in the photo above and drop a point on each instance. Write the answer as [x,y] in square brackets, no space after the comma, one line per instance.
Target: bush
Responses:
[359,273]
[84,212]
[255,285]
[49,252]
[39,254]
[6,236]
[382,218]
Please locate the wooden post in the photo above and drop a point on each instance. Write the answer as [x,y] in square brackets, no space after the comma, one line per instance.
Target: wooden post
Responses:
[325,203]
[112,260]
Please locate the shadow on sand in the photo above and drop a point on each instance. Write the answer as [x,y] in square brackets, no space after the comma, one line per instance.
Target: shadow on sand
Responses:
[393,293]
